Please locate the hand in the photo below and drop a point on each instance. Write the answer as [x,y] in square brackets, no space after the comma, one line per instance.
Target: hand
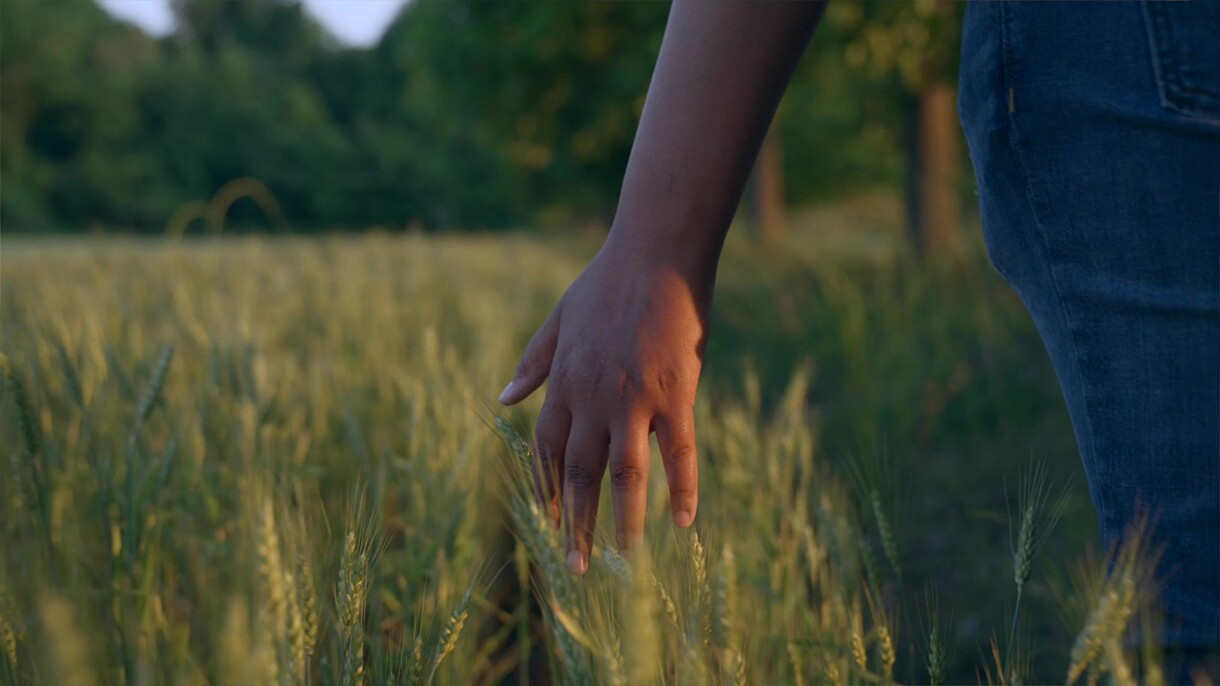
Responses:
[623,350]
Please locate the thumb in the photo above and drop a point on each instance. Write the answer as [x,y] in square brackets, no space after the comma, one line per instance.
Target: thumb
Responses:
[535,364]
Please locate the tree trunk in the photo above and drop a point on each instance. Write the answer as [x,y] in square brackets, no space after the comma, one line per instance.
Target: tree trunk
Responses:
[769,188]
[933,211]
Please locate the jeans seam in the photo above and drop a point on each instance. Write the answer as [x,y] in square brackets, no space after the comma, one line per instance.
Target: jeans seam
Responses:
[1174,89]
[1043,243]
[1155,52]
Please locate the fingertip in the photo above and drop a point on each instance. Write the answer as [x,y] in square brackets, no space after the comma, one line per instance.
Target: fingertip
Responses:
[519,389]
[683,519]
[506,395]
[578,564]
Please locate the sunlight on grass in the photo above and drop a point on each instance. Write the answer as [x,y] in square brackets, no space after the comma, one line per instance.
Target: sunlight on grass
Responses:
[280,461]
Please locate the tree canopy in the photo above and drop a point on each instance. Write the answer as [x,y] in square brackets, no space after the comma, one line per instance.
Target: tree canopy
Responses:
[466,114]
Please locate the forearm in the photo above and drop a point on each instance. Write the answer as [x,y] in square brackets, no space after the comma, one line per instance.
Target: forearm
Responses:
[722,69]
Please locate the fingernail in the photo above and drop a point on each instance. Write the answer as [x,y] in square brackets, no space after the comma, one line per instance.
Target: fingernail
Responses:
[577,564]
[682,519]
[507,389]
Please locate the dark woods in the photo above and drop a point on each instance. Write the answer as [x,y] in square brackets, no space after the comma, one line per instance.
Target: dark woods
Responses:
[464,115]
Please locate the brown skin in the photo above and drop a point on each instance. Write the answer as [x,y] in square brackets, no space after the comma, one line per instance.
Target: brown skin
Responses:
[624,347]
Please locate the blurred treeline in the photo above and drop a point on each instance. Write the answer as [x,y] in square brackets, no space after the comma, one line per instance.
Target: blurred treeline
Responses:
[466,114]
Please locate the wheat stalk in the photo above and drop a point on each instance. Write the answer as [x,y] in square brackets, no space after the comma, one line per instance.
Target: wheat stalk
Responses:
[724,600]
[1032,504]
[885,652]
[152,391]
[271,567]
[1108,619]
[886,655]
[692,665]
[1023,552]
[417,663]
[640,625]
[739,668]
[871,576]
[21,402]
[351,591]
[8,640]
[702,589]
[859,652]
[69,650]
[889,543]
[1151,669]
[273,616]
[615,666]
[450,633]
[834,675]
[296,628]
[794,659]
[309,610]
[1088,643]
[236,655]
[616,565]
[936,656]
[667,602]
[71,380]
[568,637]
[1116,663]
[1096,672]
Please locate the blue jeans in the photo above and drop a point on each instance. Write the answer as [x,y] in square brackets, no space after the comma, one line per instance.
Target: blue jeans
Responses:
[1094,129]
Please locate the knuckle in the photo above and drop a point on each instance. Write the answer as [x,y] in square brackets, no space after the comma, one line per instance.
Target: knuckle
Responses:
[630,383]
[667,381]
[626,475]
[546,456]
[579,475]
[523,366]
[545,453]
[680,455]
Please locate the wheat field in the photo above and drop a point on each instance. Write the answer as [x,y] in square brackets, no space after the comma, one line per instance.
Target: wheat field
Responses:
[278,461]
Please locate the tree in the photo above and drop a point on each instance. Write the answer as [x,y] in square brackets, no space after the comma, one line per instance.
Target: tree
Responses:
[541,98]
[466,114]
[68,118]
[837,127]
[768,185]
[917,44]
[277,31]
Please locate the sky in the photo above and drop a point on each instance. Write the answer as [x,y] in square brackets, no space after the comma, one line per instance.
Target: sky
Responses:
[355,22]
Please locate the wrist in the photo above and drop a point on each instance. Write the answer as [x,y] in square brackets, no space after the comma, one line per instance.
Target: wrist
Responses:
[668,238]
[663,251]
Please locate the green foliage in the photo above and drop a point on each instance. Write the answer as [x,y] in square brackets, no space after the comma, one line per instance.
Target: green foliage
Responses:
[916,42]
[306,489]
[465,114]
[69,113]
[532,105]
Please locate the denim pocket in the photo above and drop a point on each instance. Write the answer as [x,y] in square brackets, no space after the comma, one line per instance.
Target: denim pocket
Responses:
[1184,37]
